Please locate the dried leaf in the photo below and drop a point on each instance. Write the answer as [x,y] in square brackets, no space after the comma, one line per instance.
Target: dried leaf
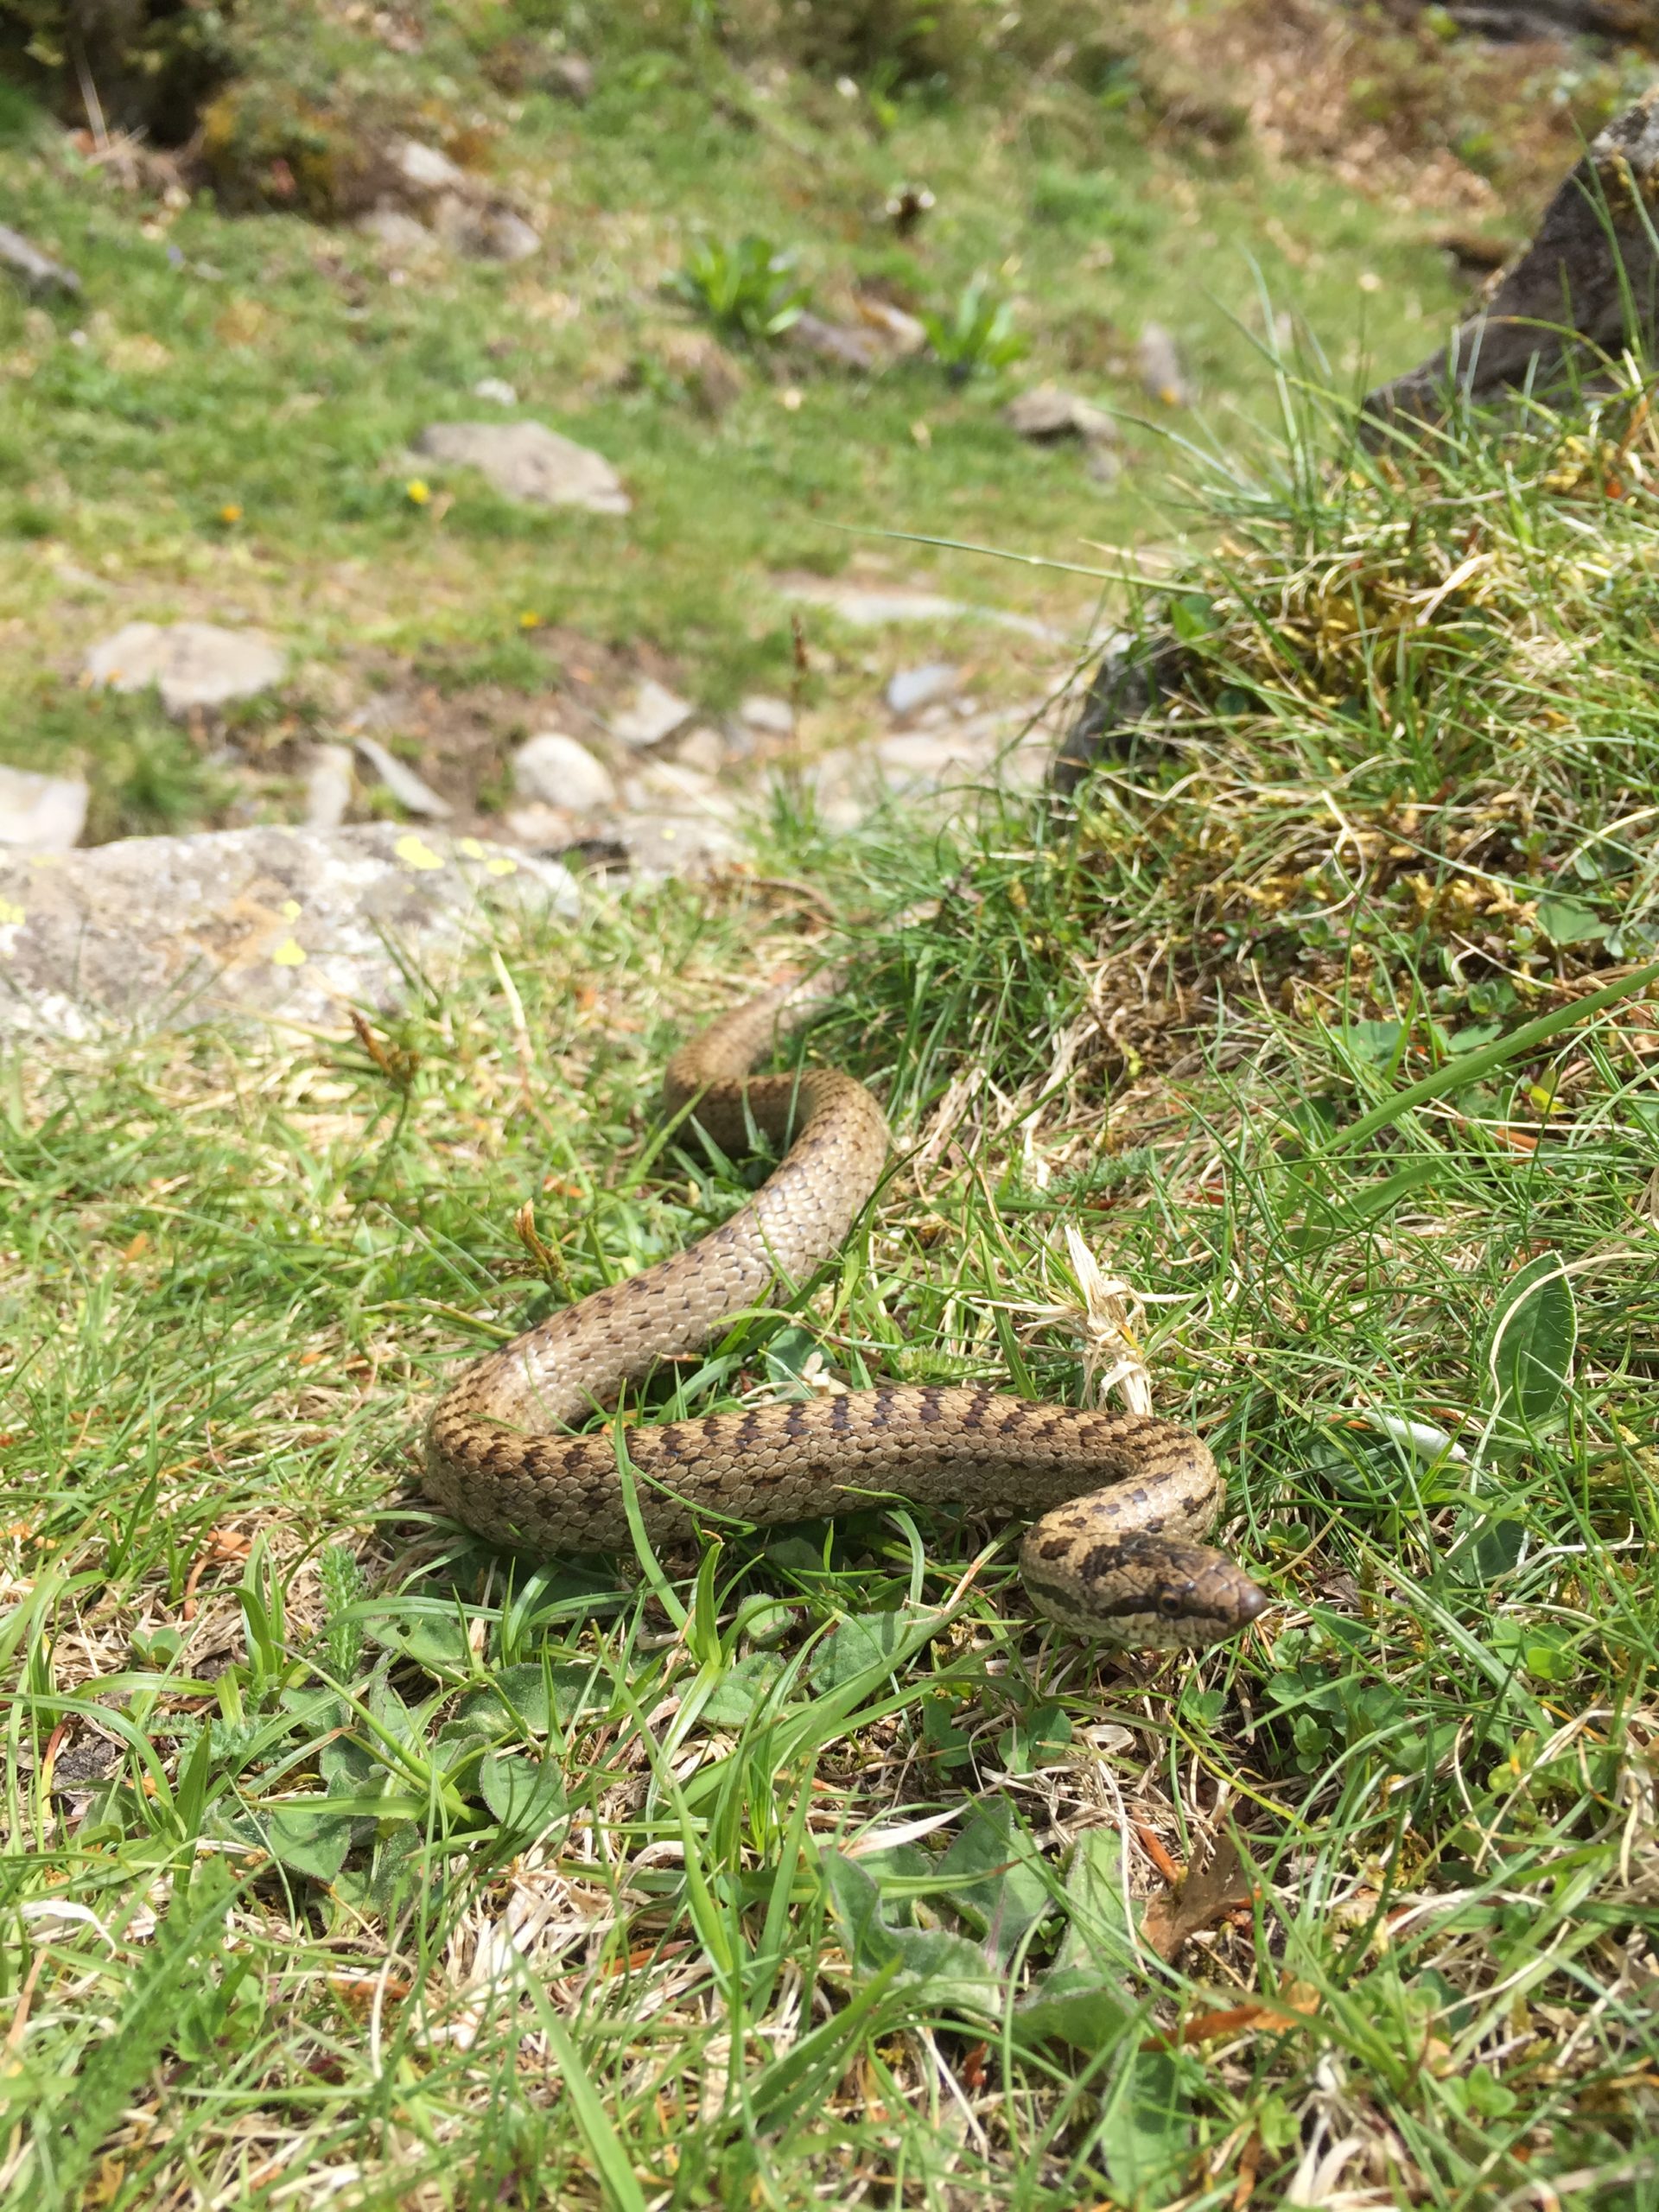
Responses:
[1224,1881]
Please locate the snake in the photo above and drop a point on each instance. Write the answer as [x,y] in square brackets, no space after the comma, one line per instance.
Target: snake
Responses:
[1117,1501]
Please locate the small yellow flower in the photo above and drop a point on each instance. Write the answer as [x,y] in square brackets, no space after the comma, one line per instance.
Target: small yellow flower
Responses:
[230,512]
[529,621]
[419,493]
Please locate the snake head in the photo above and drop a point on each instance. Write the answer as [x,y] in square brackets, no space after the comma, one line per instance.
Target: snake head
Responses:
[1146,1593]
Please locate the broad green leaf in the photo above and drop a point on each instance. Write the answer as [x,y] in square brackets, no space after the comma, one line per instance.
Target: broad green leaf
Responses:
[1530,1353]
[1037,1739]
[1568,921]
[952,1968]
[525,1795]
[740,1689]
[1146,2131]
[435,1640]
[861,1643]
[307,1838]
[1375,1042]
[1074,2005]
[994,1874]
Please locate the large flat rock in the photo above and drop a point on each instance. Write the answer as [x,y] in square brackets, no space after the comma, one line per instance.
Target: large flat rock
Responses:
[152,932]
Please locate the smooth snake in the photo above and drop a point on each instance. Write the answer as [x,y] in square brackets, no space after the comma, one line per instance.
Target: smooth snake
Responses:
[1120,1497]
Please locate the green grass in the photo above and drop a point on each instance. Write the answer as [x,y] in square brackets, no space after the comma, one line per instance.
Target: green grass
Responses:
[270,368]
[373,1866]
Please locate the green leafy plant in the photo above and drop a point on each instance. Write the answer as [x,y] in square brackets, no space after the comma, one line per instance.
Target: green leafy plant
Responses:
[748,287]
[978,336]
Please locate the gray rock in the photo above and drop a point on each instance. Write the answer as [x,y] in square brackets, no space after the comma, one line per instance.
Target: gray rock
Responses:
[914,688]
[668,784]
[41,814]
[1562,312]
[1160,363]
[542,829]
[497,389]
[772,717]
[836,342]
[1047,414]
[482,230]
[38,270]
[572,75]
[904,335]
[329,787]
[656,713]
[396,228]
[528,462]
[554,770]
[154,933]
[702,749]
[191,664]
[411,792]
[866,607]
[423,168]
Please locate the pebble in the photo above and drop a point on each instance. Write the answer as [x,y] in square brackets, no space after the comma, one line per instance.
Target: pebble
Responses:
[656,713]
[702,749]
[772,717]
[1160,363]
[191,664]
[496,388]
[329,786]
[41,814]
[412,793]
[555,771]
[528,462]
[913,687]
[1048,413]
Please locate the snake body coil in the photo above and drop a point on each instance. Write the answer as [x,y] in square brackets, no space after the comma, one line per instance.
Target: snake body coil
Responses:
[1120,1562]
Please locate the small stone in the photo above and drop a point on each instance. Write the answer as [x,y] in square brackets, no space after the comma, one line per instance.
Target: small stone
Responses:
[411,793]
[712,377]
[772,717]
[656,713]
[570,75]
[329,787]
[914,688]
[496,388]
[482,232]
[1048,413]
[873,607]
[541,828]
[1160,363]
[835,342]
[41,814]
[702,749]
[423,168]
[396,229]
[667,784]
[555,771]
[906,335]
[528,462]
[193,664]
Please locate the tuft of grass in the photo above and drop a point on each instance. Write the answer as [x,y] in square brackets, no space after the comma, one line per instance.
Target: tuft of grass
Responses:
[748,288]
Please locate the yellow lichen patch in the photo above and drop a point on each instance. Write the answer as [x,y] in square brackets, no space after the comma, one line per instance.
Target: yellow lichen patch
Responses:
[414,852]
[288,954]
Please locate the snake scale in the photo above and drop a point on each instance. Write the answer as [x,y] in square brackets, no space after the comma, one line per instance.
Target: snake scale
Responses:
[1120,1498]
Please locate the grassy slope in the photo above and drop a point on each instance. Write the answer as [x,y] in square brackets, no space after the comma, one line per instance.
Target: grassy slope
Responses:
[349,1864]
[289,386]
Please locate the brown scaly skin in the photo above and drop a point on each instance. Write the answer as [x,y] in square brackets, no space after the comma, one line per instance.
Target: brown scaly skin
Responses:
[1119,1563]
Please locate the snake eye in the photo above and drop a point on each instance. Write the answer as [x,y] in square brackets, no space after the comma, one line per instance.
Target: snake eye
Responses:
[1171,1604]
